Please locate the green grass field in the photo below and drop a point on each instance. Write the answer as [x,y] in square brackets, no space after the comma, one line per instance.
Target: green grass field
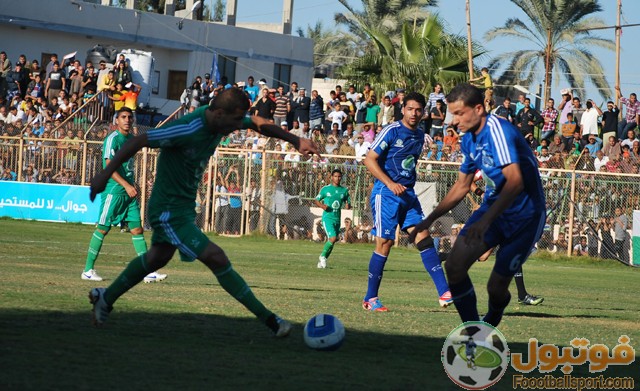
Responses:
[187,333]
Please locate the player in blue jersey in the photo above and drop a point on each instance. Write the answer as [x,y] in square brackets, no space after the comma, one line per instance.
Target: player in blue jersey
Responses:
[512,213]
[392,161]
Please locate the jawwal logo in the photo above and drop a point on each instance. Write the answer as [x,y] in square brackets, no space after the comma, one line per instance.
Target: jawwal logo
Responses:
[475,355]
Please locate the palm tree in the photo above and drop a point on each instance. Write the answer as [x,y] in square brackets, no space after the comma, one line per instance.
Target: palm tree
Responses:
[329,46]
[558,31]
[424,55]
[384,16]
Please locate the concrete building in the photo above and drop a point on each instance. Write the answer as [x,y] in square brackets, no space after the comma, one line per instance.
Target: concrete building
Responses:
[183,48]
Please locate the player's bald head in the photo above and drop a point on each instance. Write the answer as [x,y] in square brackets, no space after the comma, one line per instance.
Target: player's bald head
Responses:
[230,100]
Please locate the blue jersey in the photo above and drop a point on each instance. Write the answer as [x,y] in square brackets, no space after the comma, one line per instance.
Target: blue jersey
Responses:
[497,145]
[399,149]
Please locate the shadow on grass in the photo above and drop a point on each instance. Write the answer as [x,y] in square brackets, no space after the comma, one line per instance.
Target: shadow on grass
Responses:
[139,350]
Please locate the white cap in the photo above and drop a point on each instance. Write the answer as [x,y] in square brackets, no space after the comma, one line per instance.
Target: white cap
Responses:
[283,123]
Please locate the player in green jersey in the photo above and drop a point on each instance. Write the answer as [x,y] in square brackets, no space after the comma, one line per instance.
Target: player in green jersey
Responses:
[119,203]
[331,199]
[186,146]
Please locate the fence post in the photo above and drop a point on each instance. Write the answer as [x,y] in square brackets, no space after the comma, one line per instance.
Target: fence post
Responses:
[20,158]
[208,201]
[83,176]
[263,194]
[572,197]
[246,209]
[143,187]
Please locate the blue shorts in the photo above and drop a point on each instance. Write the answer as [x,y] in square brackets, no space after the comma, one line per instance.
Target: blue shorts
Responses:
[516,236]
[390,210]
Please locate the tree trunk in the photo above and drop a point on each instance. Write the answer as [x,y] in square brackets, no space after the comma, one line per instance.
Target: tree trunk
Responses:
[547,69]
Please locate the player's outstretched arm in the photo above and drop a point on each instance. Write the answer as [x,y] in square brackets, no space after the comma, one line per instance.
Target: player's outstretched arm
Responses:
[304,146]
[457,192]
[99,182]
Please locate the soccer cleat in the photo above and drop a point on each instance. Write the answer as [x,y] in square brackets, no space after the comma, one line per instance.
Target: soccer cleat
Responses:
[446,299]
[322,262]
[284,328]
[374,304]
[531,300]
[91,275]
[154,277]
[101,309]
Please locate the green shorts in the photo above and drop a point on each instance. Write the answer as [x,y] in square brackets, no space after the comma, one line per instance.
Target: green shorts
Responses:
[331,227]
[115,209]
[179,229]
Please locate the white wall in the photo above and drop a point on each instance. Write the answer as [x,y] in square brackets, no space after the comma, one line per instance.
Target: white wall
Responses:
[37,26]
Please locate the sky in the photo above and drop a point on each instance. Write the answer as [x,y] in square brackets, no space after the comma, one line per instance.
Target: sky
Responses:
[485,15]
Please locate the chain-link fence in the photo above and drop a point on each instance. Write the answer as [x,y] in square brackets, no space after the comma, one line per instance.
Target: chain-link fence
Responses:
[272,192]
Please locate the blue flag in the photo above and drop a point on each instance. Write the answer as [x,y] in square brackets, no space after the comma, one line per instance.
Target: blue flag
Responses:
[215,72]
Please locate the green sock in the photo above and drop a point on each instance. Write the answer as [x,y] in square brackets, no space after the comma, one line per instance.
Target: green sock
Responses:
[235,285]
[94,249]
[139,244]
[130,277]
[326,250]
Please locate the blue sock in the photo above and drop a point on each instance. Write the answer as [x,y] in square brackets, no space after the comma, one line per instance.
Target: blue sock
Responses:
[376,268]
[431,262]
[464,298]
[496,310]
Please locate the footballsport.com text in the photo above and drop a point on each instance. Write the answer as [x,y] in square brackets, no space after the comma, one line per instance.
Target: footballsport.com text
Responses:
[568,382]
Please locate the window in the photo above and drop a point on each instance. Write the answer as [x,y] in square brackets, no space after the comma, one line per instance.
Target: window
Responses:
[155,82]
[281,75]
[227,68]
[176,84]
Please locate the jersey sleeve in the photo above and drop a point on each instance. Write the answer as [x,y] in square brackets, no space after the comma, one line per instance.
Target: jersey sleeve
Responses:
[177,132]
[504,139]
[320,195]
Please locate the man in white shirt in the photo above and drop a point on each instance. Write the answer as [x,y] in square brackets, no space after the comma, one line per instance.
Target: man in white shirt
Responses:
[600,160]
[361,146]
[589,120]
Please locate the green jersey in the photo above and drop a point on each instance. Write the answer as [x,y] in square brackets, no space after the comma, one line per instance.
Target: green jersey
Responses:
[186,146]
[334,197]
[111,145]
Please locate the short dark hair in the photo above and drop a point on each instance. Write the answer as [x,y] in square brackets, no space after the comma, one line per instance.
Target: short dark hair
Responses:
[469,95]
[336,170]
[124,109]
[230,100]
[416,97]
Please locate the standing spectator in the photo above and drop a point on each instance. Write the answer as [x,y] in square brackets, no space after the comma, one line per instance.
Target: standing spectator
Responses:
[252,89]
[437,117]
[589,121]
[398,104]
[549,115]
[620,226]
[577,110]
[300,106]
[630,121]
[264,107]
[361,148]
[253,194]
[316,112]
[123,73]
[505,110]
[436,95]
[55,82]
[385,117]
[372,112]
[5,67]
[569,127]
[607,248]
[283,107]
[235,203]
[528,118]
[610,119]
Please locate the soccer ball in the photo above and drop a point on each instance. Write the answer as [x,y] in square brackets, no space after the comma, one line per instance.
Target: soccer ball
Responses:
[324,332]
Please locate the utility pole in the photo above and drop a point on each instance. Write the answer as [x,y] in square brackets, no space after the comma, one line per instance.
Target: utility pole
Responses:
[618,32]
[469,46]
[547,69]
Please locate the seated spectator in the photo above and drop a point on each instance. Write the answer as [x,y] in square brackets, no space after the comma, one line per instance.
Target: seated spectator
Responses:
[556,145]
[361,147]
[348,234]
[600,161]
[594,145]
[331,145]
[613,149]
[631,138]
[369,133]
[451,138]
[561,243]
[581,249]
